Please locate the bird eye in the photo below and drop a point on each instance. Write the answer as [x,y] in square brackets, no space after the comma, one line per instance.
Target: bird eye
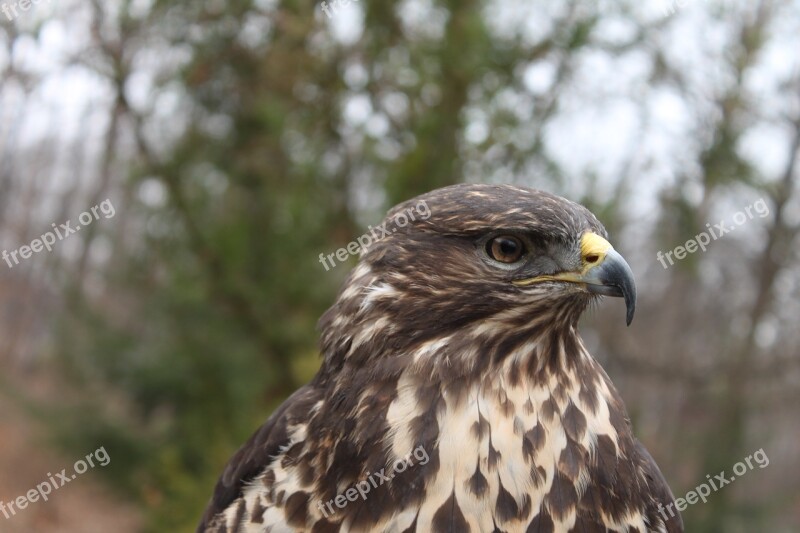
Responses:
[505,249]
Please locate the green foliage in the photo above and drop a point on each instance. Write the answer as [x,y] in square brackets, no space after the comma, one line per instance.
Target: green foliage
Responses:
[214,315]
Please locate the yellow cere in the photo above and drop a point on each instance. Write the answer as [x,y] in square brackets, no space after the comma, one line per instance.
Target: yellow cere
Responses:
[593,249]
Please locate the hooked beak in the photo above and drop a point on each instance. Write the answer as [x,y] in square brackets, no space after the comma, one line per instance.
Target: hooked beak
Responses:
[604,272]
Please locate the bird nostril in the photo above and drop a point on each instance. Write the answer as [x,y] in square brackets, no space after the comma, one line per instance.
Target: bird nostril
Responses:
[592,258]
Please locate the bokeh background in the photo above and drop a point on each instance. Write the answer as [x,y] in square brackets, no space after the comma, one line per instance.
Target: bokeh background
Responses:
[239,139]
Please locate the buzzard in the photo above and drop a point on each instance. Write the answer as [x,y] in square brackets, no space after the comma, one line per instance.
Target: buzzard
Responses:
[455,393]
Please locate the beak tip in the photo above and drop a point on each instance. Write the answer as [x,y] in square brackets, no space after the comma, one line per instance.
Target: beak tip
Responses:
[614,277]
[630,306]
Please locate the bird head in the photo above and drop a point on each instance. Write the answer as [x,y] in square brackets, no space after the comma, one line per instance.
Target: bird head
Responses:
[478,261]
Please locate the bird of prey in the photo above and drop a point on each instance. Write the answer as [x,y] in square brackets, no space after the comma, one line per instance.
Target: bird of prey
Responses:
[455,393]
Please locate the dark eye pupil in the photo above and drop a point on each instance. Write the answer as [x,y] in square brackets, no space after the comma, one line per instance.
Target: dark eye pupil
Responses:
[505,249]
[508,247]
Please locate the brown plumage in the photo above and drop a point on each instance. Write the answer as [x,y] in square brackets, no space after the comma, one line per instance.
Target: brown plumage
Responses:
[452,350]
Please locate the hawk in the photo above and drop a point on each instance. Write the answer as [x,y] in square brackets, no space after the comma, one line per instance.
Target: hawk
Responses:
[455,393]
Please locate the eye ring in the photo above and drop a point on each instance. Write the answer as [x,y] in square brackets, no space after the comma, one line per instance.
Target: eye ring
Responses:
[506,249]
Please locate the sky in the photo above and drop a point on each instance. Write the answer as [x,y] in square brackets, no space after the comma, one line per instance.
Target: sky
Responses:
[611,114]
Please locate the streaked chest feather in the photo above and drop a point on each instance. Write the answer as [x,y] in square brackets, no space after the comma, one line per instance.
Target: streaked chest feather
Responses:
[507,455]
[507,452]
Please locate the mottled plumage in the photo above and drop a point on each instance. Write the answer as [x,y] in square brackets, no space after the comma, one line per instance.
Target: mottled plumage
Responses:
[435,344]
